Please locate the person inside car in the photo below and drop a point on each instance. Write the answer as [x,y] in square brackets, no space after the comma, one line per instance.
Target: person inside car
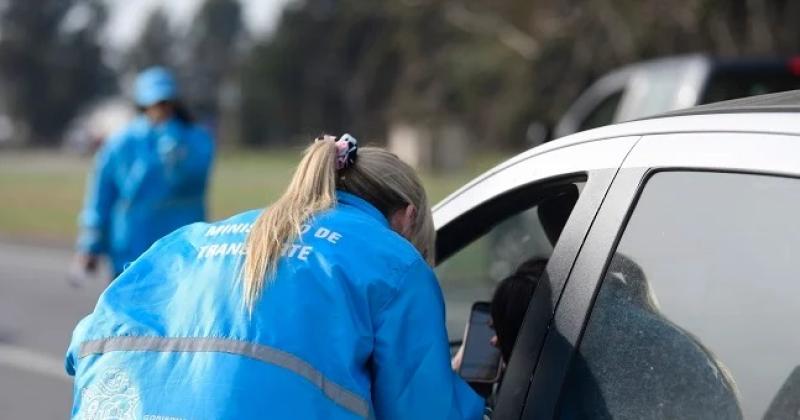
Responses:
[510,302]
[513,293]
[322,305]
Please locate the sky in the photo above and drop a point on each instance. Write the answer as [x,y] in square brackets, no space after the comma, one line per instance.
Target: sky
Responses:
[127,17]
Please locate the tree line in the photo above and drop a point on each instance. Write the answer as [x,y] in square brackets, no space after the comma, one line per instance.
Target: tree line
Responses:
[362,65]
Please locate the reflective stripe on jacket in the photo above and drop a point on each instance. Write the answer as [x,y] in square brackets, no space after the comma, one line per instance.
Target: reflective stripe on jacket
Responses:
[148,180]
[351,326]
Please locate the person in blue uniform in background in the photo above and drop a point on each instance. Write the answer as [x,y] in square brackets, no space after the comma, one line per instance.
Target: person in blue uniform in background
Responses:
[322,306]
[149,179]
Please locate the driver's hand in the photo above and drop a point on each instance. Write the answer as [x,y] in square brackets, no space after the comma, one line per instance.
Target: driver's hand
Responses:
[455,362]
[88,262]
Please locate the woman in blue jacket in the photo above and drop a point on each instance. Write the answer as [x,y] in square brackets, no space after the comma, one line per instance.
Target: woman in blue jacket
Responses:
[322,306]
[149,179]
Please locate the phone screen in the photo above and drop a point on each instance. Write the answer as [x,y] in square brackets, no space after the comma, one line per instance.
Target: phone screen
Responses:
[481,360]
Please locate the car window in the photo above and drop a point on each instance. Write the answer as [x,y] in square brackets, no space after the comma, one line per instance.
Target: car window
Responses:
[695,315]
[731,84]
[603,113]
[472,273]
[655,89]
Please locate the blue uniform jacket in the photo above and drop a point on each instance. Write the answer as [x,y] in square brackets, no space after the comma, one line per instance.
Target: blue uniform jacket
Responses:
[352,325]
[148,181]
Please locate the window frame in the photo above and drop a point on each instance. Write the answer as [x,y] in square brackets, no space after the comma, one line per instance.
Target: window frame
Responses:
[684,152]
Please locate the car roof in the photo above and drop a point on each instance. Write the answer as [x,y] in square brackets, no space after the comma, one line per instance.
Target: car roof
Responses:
[788,101]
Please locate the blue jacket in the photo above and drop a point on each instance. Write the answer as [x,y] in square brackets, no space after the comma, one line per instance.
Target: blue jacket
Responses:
[352,325]
[148,181]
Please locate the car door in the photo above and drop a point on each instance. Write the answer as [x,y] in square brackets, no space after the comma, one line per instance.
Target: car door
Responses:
[675,305]
[539,204]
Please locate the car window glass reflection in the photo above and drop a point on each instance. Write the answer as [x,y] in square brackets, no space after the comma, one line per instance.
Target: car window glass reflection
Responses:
[690,320]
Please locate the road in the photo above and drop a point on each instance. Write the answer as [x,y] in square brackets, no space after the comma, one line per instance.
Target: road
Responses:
[38,310]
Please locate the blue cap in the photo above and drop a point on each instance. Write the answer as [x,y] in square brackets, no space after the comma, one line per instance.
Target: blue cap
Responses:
[154,85]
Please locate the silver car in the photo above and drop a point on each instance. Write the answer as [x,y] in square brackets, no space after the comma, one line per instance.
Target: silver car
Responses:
[652,87]
[673,276]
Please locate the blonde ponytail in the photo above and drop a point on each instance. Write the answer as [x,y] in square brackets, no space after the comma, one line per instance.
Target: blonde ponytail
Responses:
[376,176]
[311,190]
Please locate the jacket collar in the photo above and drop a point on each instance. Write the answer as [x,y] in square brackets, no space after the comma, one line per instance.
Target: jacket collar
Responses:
[362,205]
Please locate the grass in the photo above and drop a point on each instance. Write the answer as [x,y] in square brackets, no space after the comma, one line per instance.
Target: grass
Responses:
[41,192]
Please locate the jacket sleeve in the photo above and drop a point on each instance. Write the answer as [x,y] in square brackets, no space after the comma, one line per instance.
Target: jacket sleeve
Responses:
[186,154]
[78,336]
[101,193]
[411,359]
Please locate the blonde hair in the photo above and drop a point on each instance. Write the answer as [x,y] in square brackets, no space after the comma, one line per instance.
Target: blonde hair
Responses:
[377,176]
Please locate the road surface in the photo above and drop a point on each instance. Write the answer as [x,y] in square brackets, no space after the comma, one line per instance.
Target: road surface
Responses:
[38,310]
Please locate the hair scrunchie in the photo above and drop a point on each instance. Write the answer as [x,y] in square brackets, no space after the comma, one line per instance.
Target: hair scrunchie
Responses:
[346,149]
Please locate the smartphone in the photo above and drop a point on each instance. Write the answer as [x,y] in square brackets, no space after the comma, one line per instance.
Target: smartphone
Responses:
[481,360]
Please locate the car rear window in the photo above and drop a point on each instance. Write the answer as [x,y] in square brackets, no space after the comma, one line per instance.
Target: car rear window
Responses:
[738,82]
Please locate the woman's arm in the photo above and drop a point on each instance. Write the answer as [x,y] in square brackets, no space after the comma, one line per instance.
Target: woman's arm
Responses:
[412,377]
[101,194]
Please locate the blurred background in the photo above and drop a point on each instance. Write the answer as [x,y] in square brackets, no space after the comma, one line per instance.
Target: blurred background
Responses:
[453,86]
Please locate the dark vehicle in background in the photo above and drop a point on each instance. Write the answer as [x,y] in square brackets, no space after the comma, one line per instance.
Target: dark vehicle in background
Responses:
[673,281]
[653,87]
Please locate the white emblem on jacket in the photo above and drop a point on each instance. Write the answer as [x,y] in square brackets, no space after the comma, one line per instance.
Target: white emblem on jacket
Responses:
[111,397]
